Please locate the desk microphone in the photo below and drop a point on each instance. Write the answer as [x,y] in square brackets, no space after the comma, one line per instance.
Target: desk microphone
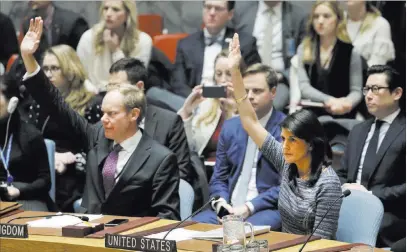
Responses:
[345,193]
[82,218]
[217,197]
[12,105]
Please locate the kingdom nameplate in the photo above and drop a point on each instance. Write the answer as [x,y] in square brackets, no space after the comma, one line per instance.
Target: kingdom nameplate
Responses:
[139,243]
[14,230]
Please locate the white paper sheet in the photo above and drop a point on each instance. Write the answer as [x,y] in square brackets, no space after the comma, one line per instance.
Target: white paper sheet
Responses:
[179,234]
[61,221]
[218,233]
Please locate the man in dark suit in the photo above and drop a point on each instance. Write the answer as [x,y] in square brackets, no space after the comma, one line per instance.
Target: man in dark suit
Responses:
[164,126]
[127,172]
[278,27]
[9,44]
[61,26]
[194,63]
[375,156]
[246,181]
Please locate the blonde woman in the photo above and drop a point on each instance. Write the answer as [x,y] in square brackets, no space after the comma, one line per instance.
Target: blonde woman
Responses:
[329,68]
[369,32]
[115,37]
[65,71]
[203,117]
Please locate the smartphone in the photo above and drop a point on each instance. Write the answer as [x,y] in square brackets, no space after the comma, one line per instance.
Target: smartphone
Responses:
[222,212]
[214,91]
[116,222]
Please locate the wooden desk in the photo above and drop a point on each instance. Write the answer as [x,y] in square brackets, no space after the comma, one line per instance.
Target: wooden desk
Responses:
[45,243]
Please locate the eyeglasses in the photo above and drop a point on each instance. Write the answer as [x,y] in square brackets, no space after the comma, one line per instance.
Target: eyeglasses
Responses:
[52,69]
[375,89]
[218,9]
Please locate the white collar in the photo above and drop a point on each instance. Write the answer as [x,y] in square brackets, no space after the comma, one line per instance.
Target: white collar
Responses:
[263,121]
[221,34]
[390,118]
[131,143]
[277,9]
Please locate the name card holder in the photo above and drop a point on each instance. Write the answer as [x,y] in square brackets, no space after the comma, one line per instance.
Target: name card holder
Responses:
[81,230]
[14,230]
[139,243]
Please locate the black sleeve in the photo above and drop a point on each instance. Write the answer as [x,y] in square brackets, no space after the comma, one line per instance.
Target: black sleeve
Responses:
[79,27]
[179,82]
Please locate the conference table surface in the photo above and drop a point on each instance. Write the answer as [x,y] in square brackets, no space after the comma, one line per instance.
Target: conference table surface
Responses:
[46,243]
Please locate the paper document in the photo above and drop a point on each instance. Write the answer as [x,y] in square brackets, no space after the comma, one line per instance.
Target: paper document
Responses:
[218,233]
[179,234]
[55,222]
[62,221]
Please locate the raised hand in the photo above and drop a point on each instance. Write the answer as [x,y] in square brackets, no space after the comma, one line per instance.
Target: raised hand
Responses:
[32,38]
[234,53]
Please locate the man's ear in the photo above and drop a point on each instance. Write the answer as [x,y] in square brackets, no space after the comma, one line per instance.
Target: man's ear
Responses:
[135,114]
[397,93]
[140,85]
[273,91]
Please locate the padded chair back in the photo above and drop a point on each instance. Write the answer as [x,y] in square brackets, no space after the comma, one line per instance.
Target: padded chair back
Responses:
[51,159]
[187,197]
[152,24]
[167,43]
[359,218]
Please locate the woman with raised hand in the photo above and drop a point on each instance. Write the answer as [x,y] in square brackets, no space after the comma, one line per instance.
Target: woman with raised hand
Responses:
[309,185]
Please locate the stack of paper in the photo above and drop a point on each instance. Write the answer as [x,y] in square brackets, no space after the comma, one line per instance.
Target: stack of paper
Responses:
[179,234]
[217,234]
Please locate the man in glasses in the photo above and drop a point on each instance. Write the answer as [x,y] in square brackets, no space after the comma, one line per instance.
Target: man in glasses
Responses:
[374,160]
[196,53]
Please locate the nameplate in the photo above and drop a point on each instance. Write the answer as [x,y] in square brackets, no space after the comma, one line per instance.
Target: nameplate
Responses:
[139,243]
[14,230]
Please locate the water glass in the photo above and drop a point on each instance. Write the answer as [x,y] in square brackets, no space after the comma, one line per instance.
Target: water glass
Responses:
[253,247]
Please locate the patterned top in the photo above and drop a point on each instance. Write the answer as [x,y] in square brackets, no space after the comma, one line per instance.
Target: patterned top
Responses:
[302,206]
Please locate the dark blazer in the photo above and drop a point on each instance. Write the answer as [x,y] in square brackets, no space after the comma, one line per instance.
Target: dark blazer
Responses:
[294,22]
[8,46]
[67,28]
[167,128]
[190,56]
[229,162]
[28,160]
[387,180]
[149,183]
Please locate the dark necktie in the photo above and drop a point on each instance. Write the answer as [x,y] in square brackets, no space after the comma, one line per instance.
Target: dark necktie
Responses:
[370,157]
[109,169]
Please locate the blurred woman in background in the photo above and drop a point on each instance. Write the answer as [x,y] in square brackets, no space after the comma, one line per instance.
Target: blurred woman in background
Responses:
[24,167]
[369,32]
[329,68]
[116,36]
[64,69]
[203,117]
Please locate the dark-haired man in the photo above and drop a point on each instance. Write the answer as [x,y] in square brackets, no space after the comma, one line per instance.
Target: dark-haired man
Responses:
[164,126]
[196,53]
[375,156]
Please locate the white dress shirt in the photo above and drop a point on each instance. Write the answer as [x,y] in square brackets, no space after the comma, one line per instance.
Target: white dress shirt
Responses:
[128,147]
[387,121]
[271,48]
[210,53]
[252,191]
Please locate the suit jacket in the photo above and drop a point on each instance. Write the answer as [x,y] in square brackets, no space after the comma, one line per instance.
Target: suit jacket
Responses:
[8,46]
[149,182]
[190,56]
[28,163]
[294,22]
[387,180]
[229,162]
[167,128]
[67,28]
